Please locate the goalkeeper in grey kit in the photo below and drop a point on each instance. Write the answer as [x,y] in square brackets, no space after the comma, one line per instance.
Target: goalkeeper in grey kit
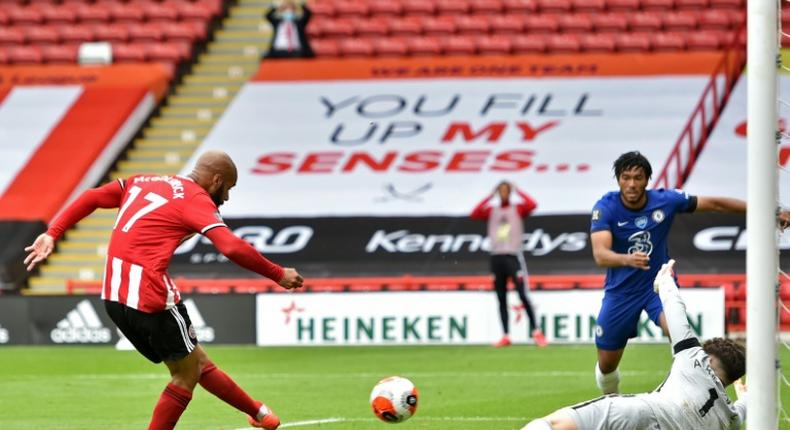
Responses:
[692,396]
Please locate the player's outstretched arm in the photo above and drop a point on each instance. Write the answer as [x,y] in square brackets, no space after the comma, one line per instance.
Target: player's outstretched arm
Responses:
[483,209]
[243,254]
[726,204]
[740,404]
[107,196]
[674,308]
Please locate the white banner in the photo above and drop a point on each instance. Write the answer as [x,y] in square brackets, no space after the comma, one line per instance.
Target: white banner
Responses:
[437,147]
[463,317]
[721,169]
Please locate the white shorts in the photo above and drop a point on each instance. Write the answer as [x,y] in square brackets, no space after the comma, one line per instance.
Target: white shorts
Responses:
[613,412]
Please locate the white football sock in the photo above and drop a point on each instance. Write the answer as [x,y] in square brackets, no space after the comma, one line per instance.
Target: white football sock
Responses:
[538,425]
[608,383]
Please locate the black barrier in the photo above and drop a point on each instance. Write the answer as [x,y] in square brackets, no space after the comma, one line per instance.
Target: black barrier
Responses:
[705,243]
[16,235]
[81,320]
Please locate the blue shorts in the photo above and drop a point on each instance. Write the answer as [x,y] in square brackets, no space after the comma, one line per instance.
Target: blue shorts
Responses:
[619,317]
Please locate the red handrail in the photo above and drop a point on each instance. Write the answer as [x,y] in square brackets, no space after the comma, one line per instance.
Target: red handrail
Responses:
[677,168]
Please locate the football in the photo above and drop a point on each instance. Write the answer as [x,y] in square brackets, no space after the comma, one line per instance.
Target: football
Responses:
[394,399]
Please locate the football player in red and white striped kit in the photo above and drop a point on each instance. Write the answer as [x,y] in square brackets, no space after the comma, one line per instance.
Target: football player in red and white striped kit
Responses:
[156,214]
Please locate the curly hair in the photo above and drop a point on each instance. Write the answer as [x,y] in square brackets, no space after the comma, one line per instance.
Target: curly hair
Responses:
[630,160]
[731,355]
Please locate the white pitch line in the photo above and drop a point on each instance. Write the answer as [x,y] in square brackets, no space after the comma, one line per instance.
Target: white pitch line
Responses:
[304,423]
[445,419]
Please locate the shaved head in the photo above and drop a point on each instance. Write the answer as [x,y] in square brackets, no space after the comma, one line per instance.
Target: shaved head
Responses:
[216,172]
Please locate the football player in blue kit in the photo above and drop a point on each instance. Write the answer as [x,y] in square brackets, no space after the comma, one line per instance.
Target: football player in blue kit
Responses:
[629,231]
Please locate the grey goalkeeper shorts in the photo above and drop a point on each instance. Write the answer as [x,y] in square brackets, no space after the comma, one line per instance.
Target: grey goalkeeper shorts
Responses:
[613,412]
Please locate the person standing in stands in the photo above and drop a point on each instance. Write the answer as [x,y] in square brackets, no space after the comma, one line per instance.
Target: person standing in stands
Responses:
[506,235]
[289,23]
[156,214]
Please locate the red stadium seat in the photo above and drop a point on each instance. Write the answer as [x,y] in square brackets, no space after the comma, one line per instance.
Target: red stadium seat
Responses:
[21,15]
[130,13]
[355,47]
[632,42]
[322,9]
[178,31]
[438,26]
[325,48]
[728,4]
[576,23]
[75,33]
[702,41]
[424,46]
[563,43]
[193,11]
[315,28]
[668,42]
[555,6]
[385,8]
[645,21]
[59,15]
[160,12]
[452,7]
[657,5]
[486,6]
[610,22]
[680,21]
[589,6]
[691,4]
[95,14]
[471,25]
[128,53]
[737,18]
[338,28]
[4,20]
[60,54]
[520,6]
[597,42]
[371,27]
[493,45]
[3,56]
[392,47]
[353,8]
[506,24]
[24,55]
[10,36]
[544,24]
[714,20]
[406,26]
[111,33]
[458,45]
[418,7]
[145,33]
[42,35]
[622,5]
[529,44]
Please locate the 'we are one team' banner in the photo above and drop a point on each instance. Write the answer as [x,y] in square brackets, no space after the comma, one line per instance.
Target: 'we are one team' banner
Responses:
[425,137]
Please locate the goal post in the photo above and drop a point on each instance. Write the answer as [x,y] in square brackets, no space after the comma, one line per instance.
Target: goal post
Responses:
[762,194]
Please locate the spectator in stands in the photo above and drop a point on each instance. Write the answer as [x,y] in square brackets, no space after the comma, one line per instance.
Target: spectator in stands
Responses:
[506,234]
[156,214]
[289,23]
[693,395]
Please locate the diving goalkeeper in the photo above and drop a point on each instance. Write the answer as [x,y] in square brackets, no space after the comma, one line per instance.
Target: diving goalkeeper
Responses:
[692,396]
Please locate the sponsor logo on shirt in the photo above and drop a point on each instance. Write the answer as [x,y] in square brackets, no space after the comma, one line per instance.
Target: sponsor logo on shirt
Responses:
[81,325]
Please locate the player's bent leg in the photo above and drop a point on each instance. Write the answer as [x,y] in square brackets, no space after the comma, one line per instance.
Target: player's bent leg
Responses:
[607,376]
[218,383]
[175,398]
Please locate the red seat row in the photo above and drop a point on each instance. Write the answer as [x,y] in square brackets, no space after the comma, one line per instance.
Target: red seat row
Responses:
[531,23]
[522,44]
[169,11]
[150,32]
[361,8]
[122,53]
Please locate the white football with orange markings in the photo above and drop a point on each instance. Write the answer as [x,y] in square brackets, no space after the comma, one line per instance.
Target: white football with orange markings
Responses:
[394,399]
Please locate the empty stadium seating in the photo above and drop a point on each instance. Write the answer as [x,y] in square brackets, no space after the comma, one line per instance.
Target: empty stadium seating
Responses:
[442,27]
[139,30]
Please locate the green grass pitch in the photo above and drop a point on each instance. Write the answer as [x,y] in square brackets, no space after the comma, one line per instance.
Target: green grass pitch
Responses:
[461,387]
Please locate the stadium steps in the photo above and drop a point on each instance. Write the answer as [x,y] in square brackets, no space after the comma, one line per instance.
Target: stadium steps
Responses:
[170,138]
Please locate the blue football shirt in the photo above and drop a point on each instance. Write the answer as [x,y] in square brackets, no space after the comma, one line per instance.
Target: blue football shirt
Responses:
[645,230]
